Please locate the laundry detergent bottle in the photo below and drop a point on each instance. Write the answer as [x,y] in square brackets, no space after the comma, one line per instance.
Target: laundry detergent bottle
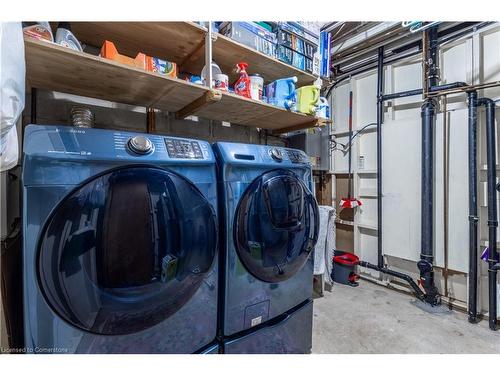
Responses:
[66,38]
[282,93]
[242,85]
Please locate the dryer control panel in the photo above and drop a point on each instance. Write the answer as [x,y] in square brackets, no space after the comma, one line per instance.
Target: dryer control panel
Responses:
[183,149]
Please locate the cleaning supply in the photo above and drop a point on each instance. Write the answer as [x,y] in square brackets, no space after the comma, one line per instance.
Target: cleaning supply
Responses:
[323,109]
[281,93]
[350,202]
[154,64]
[221,82]
[66,38]
[307,99]
[242,85]
[256,86]
[109,51]
[215,70]
[344,268]
[38,30]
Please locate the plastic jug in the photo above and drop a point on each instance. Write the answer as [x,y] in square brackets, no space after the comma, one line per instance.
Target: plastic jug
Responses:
[307,99]
[215,70]
[65,37]
[323,110]
[281,93]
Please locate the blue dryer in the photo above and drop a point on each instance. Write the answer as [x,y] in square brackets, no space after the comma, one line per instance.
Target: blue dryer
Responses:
[270,226]
[120,242]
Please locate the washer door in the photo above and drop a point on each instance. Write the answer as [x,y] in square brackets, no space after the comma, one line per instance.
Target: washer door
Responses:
[126,249]
[276,226]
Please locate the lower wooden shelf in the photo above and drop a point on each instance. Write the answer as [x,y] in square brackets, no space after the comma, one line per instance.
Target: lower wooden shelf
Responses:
[52,67]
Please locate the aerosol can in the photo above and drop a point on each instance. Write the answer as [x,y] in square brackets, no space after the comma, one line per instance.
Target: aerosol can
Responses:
[242,85]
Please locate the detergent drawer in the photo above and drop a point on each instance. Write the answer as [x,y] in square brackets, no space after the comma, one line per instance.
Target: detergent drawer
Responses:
[291,335]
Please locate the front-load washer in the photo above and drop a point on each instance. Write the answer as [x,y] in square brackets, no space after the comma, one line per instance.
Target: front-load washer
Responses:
[270,226]
[120,242]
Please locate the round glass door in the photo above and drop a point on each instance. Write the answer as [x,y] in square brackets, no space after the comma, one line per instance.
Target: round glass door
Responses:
[276,226]
[126,249]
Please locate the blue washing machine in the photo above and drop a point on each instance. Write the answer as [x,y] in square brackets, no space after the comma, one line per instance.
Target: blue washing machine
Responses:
[270,226]
[120,242]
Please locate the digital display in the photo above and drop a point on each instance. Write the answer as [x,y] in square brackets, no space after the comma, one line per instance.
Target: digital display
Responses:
[183,149]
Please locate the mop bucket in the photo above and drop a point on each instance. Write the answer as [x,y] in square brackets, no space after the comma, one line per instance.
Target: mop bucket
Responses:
[343,270]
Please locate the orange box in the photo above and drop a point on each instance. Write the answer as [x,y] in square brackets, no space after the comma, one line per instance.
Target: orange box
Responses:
[109,51]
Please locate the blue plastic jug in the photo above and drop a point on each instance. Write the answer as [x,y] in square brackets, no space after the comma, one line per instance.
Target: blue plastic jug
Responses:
[281,93]
[323,108]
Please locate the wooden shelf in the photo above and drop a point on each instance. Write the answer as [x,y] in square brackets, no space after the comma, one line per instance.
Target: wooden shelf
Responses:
[227,53]
[183,43]
[52,67]
[180,42]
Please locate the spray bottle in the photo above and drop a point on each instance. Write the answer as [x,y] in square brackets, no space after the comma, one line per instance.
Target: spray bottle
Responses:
[242,85]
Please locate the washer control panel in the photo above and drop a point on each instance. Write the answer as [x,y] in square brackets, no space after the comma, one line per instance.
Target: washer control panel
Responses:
[296,156]
[183,149]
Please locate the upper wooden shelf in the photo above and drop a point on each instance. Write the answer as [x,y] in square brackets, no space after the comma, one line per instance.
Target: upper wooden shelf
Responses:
[227,53]
[183,43]
[180,42]
[52,67]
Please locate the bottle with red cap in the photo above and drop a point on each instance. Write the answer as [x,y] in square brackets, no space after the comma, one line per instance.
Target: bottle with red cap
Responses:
[242,85]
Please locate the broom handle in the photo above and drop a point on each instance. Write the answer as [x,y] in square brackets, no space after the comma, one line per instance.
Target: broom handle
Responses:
[349,181]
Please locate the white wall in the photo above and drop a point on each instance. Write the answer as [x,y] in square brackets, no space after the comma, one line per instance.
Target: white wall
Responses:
[473,59]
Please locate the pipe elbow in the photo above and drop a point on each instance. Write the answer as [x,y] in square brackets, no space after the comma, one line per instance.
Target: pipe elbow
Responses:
[487,102]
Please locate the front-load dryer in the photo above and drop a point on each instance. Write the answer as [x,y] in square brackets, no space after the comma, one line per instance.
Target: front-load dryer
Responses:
[269,228]
[120,242]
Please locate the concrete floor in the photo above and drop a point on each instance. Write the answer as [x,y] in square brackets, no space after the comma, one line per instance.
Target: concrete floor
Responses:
[374,319]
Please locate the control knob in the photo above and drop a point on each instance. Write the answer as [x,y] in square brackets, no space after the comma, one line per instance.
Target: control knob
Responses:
[276,154]
[140,145]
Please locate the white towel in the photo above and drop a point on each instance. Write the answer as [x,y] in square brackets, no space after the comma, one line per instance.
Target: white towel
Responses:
[323,251]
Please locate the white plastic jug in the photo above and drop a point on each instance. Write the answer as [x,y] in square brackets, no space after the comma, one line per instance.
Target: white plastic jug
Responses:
[215,70]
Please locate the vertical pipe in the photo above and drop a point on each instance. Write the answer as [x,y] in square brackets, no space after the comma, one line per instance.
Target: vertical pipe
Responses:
[473,218]
[433,78]
[380,118]
[492,209]
[33,105]
[425,264]
[349,186]
[427,197]
[208,55]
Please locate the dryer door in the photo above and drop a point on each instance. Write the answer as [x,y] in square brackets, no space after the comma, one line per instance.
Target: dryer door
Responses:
[276,226]
[126,249]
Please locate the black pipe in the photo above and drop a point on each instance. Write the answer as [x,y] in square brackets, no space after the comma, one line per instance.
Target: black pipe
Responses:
[380,119]
[418,292]
[433,77]
[33,105]
[425,265]
[403,94]
[473,218]
[492,209]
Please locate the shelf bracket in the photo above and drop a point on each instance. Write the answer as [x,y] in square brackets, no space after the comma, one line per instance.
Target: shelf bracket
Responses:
[211,96]
[316,123]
